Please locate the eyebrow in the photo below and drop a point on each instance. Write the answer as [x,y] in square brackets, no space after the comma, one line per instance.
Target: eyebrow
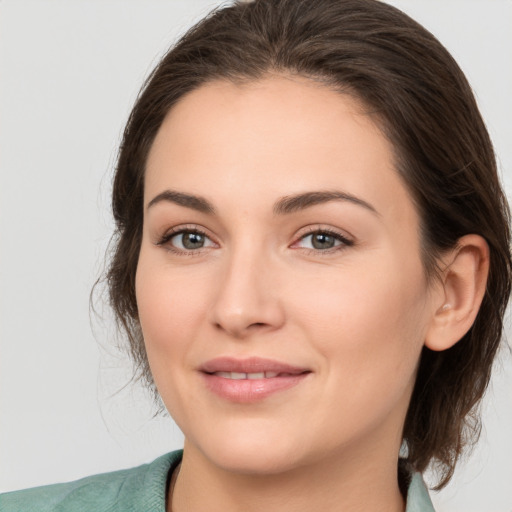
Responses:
[290,204]
[283,206]
[187,200]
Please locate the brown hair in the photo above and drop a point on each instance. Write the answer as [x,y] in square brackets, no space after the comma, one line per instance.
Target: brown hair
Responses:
[423,104]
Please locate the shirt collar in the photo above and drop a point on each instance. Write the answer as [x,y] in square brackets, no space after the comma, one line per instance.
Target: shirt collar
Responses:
[418,499]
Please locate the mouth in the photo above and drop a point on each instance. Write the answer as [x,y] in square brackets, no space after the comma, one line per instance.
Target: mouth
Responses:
[250,380]
[250,376]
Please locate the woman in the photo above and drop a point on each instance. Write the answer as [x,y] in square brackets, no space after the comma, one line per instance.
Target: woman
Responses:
[312,263]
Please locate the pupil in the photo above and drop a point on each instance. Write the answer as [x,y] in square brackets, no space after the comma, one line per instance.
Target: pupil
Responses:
[323,241]
[193,240]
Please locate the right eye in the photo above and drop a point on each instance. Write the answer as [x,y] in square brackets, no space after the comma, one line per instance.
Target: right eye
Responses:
[186,241]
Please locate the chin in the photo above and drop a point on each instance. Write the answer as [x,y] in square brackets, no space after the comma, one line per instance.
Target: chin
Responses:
[252,455]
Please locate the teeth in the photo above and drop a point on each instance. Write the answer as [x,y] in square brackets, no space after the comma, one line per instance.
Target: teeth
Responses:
[250,376]
[256,375]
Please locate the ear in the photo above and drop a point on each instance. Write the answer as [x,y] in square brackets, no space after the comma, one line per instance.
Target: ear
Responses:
[460,294]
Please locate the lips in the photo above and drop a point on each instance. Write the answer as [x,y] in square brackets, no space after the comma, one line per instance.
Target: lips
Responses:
[251,376]
[250,365]
[250,380]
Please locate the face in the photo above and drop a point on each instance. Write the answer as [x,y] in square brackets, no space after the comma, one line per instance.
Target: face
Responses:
[280,288]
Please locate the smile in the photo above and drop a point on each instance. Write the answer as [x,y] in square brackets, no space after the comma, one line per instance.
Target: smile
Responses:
[250,380]
[250,376]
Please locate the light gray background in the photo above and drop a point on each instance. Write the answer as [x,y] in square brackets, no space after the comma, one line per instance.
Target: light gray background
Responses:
[70,71]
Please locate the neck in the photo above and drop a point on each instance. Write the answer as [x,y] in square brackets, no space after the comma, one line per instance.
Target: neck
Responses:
[349,483]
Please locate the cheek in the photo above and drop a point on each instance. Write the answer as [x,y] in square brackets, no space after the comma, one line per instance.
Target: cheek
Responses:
[168,312]
[370,337]
[367,322]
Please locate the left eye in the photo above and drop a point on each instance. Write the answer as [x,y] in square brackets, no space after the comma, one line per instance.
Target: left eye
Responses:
[323,240]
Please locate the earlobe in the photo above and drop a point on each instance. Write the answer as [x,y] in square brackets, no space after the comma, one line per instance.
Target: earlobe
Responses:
[464,280]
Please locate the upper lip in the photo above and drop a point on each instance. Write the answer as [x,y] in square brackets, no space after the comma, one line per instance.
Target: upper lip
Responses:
[250,365]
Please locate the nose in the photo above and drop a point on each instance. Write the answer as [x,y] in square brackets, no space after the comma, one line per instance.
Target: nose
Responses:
[248,299]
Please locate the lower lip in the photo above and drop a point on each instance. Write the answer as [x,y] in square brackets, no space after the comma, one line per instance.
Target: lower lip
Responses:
[250,390]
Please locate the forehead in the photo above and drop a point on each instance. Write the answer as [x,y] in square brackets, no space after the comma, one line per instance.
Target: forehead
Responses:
[272,137]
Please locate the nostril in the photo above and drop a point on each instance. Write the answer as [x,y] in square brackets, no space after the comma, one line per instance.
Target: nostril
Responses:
[257,324]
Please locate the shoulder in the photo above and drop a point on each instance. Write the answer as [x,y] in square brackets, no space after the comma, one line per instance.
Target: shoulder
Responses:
[134,489]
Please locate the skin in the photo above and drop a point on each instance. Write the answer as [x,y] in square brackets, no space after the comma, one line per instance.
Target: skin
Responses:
[356,316]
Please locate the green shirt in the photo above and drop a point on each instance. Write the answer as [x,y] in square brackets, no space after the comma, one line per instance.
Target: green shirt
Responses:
[140,489]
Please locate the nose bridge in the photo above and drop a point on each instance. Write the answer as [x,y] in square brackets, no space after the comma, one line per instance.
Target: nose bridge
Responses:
[246,299]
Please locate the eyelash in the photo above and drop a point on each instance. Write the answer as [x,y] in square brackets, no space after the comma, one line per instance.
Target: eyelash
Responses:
[166,238]
[345,242]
